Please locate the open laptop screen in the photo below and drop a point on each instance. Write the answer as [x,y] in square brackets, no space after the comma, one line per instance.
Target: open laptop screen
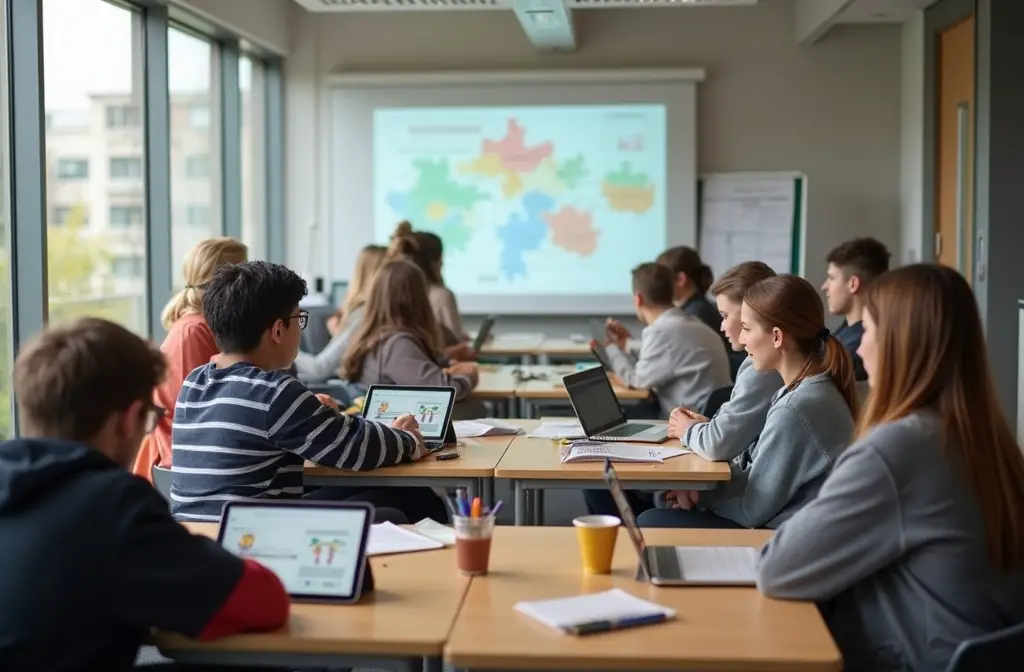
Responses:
[594,401]
[431,406]
[317,550]
[611,479]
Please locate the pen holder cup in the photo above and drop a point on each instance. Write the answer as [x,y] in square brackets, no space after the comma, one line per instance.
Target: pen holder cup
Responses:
[473,544]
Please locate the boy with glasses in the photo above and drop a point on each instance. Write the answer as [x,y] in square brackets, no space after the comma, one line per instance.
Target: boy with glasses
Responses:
[91,559]
[243,428]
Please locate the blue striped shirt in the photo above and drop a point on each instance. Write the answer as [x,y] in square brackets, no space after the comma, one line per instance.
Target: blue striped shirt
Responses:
[241,433]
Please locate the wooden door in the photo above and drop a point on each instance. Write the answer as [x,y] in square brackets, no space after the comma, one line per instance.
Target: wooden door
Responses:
[954,224]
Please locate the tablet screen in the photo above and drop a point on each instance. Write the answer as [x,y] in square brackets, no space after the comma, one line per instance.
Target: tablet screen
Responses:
[313,550]
[428,406]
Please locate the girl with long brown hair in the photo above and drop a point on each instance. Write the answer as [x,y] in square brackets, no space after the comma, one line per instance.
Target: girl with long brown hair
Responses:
[916,540]
[398,340]
[782,327]
[322,366]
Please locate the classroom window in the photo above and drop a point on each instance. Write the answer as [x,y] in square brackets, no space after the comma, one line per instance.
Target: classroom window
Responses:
[195,140]
[72,169]
[6,304]
[125,216]
[126,168]
[251,74]
[197,166]
[92,70]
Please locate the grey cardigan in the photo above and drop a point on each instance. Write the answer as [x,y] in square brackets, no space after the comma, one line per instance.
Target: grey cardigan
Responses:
[402,360]
[324,365]
[738,422]
[804,432]
[681,360]
[894,550]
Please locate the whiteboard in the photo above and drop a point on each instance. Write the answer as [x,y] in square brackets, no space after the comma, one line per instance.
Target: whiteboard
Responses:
[752,217]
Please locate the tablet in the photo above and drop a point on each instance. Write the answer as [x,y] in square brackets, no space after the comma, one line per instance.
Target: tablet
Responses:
[484,333]
[317,549]
[431,406]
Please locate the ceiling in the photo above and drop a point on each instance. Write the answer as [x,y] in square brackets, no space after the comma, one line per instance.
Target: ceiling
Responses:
[427,5]
[882,11]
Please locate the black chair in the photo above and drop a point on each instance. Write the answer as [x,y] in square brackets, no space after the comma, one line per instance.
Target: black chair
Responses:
[162,481]
[715,401]
[1001,650]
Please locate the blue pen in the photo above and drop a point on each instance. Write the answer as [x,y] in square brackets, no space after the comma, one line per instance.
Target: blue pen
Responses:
[607,626]
[462,502]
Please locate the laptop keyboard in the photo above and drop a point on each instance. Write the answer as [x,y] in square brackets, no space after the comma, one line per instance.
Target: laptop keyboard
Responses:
[666,562]
[628,429]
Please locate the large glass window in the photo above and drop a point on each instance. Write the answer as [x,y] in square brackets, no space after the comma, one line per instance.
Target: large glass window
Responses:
[94,114]
[254,166]
[7,326]
[195,143]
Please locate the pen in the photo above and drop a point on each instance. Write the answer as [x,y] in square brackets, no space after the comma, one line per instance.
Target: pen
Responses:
[452,506]
[476,509]
[607,626]
[463,503]
[497,507]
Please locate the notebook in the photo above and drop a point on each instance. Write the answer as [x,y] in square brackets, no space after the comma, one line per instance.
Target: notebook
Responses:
[570,429]
[389,539]
[590,451]
[596,612]
[468,429]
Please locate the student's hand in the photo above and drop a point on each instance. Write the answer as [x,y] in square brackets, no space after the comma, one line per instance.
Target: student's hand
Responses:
[406,423]
[334,324]
[460,352]
[328,401]
[681,420]
[617,333]
[682,499]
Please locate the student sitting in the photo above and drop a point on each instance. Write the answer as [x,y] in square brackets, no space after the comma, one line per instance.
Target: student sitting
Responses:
[915,542]
[91,559]
[852,267]
[692,280]
[426,251]
[681,359]
[324,365]
[398,340]
[189,342]
[243,427]
[739,420]
[808,425]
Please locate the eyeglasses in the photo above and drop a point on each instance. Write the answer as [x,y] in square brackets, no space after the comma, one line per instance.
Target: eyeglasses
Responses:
[302,317]
[153,416]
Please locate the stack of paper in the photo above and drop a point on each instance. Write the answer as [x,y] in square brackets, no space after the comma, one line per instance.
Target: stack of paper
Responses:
[596,612]
[436,531]
[590,451]
[388,538]
[468,429]
[570,429]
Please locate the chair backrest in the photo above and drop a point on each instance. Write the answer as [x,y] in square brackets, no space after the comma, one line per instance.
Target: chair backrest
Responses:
[715,401]
[162,481]
[1001,650]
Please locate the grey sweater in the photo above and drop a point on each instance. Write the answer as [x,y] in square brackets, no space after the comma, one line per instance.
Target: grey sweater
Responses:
[738,422]
[402,360]
[894,549]
[804,432]
[681,360]
[324,365]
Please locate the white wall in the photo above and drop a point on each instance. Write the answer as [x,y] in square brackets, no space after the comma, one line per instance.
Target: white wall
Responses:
[912,140]
[831,110]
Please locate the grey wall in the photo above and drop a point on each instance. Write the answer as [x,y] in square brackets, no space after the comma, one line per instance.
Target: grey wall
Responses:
[831,110]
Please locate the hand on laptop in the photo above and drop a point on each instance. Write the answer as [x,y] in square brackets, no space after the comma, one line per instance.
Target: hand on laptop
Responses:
[617,333]
[681,420]
[407,423]
[682,499]
[328,401]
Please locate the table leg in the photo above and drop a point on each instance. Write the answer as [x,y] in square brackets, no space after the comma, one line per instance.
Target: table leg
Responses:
[433,664]
[538,507]
[520,497]
[487,488]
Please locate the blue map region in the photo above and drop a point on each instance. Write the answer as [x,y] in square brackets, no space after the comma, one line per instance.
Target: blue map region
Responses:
[523,233]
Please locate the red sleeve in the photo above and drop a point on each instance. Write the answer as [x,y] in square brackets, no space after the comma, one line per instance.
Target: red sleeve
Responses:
[258,602]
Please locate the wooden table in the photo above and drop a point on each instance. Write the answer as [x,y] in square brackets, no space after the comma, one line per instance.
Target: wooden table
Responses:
[539,395]
[535,465]
[572,348]
[474,470]
[524,346]
[403,625]
[716,628]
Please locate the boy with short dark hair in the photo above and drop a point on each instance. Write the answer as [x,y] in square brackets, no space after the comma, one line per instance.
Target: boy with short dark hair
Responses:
[243,428]
[91,558]
[851,268]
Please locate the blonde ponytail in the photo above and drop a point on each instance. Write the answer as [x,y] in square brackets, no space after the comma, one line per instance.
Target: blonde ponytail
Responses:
[200,264]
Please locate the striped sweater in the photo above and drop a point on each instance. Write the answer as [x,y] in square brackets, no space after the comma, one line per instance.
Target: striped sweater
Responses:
[241,433]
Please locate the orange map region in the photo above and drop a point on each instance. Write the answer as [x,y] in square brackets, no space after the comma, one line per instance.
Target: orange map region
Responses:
[628,198]
[514,153]
[573,230]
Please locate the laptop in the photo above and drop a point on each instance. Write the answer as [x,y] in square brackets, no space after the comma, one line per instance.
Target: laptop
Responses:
[317,549]
[484,333]
[431,406]
[683,565]
[600,415]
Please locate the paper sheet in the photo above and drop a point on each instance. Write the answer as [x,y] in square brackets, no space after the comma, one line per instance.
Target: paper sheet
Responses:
[468,429]
[591,451]
[388,538]
[436,531]
[558,430]
[610,605]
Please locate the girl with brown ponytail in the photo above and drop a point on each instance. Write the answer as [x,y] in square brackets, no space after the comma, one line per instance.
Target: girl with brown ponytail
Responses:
[809,423]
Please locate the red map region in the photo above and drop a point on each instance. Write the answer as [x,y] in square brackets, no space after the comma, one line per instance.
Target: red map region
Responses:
[514,153]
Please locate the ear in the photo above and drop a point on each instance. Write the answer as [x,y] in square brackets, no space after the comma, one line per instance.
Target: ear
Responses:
[681,279]
[777,338]
[276,331]
[853,284]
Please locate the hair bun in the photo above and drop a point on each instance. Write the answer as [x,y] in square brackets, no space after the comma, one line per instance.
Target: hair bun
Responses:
[403,229]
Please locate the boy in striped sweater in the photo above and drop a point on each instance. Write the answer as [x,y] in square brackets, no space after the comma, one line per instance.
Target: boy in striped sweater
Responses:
[243,428]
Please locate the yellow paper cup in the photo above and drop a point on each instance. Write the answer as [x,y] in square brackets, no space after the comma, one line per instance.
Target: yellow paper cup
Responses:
[596,535]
